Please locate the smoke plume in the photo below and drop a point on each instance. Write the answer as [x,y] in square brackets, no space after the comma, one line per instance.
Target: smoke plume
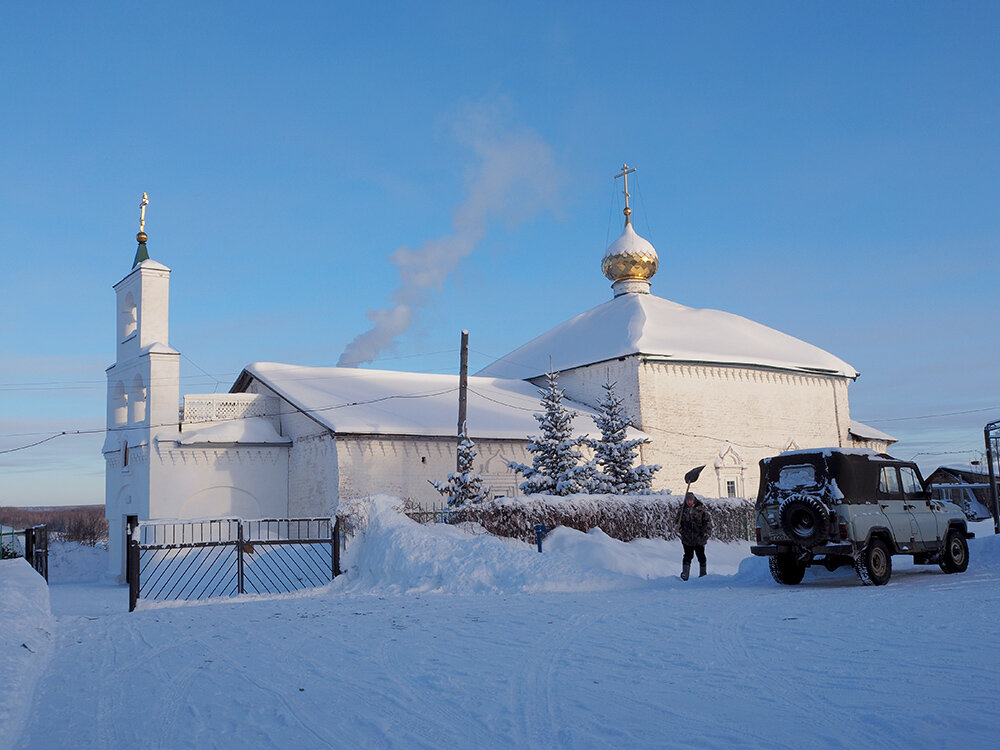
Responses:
[513,178]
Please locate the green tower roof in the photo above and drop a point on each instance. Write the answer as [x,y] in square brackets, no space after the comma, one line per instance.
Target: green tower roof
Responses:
[141,253]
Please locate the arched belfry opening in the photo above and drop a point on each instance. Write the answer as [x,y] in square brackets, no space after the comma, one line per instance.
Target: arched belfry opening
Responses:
[137,400]
[129,319]
[119,404]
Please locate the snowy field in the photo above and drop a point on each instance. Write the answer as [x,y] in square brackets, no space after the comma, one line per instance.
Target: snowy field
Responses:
[436,637]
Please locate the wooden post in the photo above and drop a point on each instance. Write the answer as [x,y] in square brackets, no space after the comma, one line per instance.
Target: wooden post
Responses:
[29,546]
[132,560]
[463,391]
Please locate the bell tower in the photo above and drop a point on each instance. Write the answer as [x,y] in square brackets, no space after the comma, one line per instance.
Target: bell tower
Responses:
[143,392]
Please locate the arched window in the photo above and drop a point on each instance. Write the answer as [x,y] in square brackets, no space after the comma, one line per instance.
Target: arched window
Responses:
[137,400]
[129,319]
[729,468]
[119,404]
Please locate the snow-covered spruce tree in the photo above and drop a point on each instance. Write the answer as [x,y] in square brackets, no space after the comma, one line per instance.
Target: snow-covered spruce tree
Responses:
[555,466]
[463,486]
[614,454]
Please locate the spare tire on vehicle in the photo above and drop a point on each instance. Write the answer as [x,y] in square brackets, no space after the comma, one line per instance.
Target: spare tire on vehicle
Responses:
[804,519]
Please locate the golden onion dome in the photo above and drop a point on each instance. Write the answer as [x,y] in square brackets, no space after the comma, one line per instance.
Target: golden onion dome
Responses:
[630,258]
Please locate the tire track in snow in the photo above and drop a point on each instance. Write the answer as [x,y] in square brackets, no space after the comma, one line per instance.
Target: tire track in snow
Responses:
[414,683]
[536,705]
[281,699]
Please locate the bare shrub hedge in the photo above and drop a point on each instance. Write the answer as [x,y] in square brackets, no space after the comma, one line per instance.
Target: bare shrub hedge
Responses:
[624,517]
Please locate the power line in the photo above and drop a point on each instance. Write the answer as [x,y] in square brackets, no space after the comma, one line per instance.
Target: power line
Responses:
[935,416]
[217,381]
[70,385]
[32,445]
[331,407]
[428,394]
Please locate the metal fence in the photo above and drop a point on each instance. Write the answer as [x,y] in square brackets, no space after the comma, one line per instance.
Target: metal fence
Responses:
[435,513]
[193,560]
[33,542]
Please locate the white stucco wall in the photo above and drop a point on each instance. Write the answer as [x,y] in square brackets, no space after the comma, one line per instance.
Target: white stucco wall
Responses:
[403,465]
[325,468]
[192,481]
[586,384]
[729,418]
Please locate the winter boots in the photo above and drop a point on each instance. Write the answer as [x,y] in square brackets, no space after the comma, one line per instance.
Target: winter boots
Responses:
[686,572]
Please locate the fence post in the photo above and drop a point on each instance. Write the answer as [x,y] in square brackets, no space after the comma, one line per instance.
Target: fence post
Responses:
[132,560]
[239,556]
[29,546]
[335,543]
[42,551]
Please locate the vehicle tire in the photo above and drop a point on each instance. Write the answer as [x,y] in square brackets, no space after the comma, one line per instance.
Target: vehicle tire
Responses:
[955,555]
[804,519]
[786,570]
[874,564]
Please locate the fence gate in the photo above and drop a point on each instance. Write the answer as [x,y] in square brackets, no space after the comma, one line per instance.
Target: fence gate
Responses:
[36,547]
[192,560]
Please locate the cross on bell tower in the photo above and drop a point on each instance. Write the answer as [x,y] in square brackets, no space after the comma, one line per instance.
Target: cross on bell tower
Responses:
[626,171]
[141,253]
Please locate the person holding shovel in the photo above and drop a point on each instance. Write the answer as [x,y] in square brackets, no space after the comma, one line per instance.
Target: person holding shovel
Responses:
[694,525]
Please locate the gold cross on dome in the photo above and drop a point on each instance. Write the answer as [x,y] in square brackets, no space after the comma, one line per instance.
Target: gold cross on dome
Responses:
[626,171]
[142,211]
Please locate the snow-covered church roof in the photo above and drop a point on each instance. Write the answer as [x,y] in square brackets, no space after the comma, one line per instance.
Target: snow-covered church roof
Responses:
[381,402]
[656,327]
[636,322]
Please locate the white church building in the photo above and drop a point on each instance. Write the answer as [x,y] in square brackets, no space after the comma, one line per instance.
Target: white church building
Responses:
[704,386]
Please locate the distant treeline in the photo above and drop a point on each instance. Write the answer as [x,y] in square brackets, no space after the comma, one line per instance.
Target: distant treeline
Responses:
[75,523]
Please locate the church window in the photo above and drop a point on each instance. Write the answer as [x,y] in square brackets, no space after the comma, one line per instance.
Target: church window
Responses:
[729,470]
[137,400]
[125,455]
[128,316]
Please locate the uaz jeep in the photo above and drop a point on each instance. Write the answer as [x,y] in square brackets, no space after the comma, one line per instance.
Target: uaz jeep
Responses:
[836,506]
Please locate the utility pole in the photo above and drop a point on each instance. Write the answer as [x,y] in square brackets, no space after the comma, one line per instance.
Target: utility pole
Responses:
[463,391]
[991,457]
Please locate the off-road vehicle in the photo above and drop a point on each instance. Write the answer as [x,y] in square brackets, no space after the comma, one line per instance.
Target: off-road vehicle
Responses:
[839,506]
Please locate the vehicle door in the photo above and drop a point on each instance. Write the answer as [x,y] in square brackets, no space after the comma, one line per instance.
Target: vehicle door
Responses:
[890,499]
[916,501]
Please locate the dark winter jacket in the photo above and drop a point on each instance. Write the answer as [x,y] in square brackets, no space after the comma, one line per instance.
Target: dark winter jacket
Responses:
[694,524]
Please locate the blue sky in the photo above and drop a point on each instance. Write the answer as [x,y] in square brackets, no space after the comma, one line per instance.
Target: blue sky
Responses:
[828,169]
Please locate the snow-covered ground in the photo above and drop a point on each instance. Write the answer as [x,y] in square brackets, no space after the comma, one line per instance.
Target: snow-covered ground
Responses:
[436,637]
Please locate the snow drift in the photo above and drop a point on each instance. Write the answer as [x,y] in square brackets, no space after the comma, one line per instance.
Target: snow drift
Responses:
[390,553]
[25,639]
